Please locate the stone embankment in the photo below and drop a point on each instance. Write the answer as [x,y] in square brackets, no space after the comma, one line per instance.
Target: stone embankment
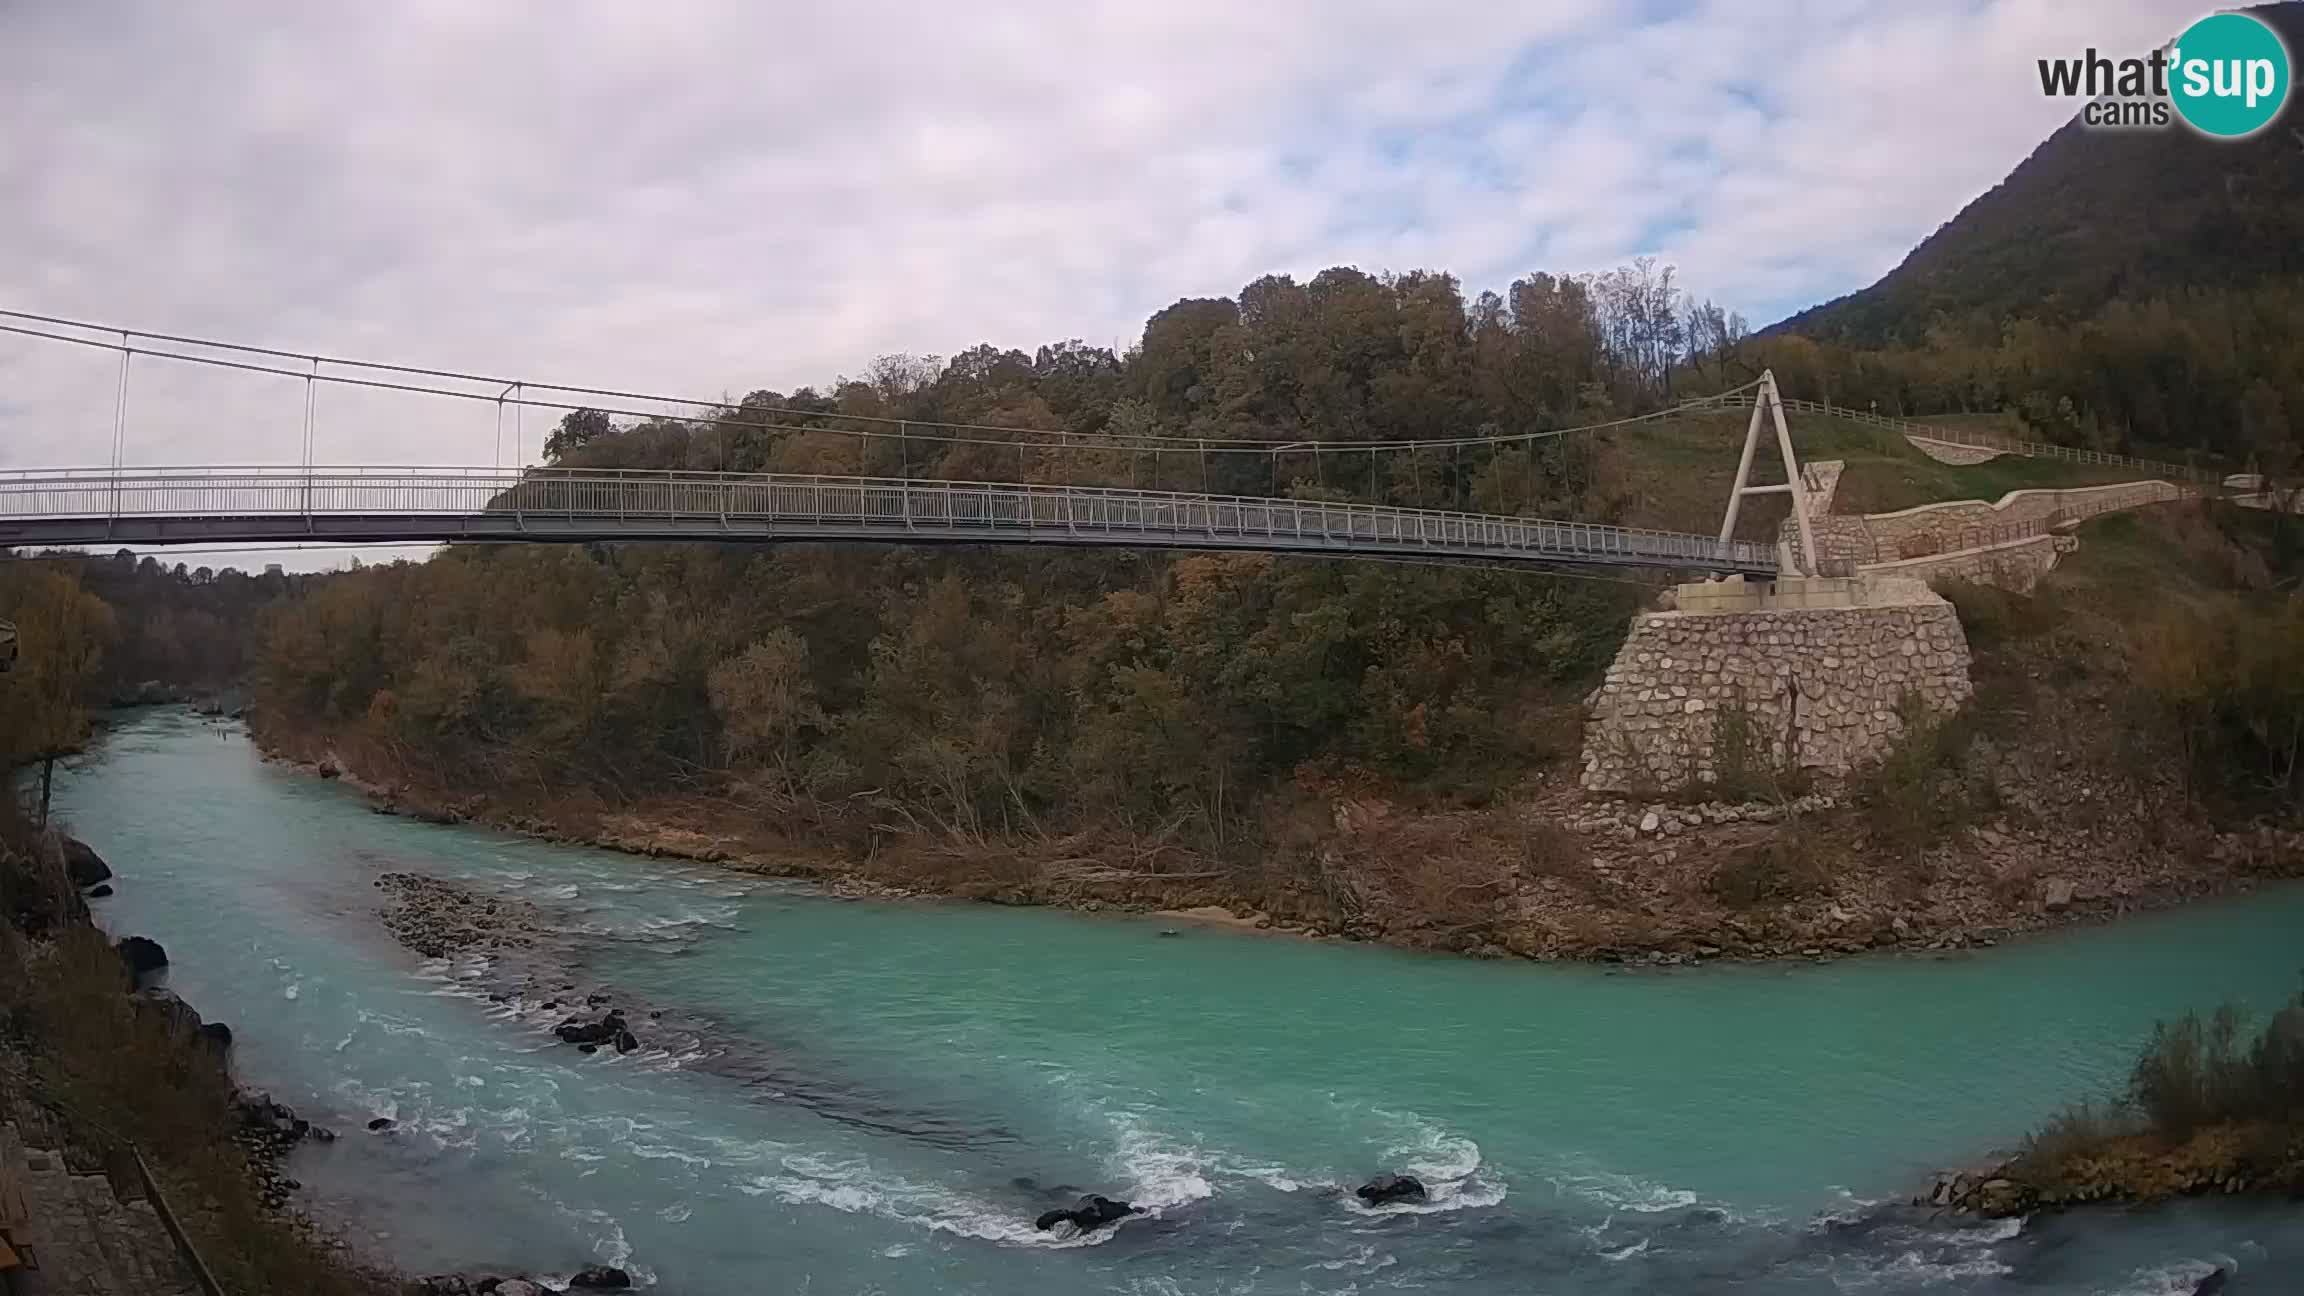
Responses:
[1815,689]
[87,1237]
[1918,540]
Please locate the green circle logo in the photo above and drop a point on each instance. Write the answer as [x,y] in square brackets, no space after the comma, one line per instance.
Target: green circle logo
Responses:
[2228,75]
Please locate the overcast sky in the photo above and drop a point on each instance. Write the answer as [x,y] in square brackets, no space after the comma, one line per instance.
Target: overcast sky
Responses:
[712,198]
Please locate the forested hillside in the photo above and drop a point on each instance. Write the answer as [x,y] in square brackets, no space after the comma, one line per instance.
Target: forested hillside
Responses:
[975,693]
[2124,289]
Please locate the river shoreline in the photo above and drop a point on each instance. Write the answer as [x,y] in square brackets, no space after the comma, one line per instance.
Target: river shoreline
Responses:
[1628,903]
[900,1018]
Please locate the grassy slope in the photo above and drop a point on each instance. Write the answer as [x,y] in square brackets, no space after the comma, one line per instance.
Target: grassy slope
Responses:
[1675,475]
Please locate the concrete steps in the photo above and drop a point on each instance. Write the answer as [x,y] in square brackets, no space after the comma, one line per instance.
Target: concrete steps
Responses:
[87,1238]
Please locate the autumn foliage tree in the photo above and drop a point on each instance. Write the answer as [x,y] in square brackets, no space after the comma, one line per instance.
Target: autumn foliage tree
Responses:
[62,630]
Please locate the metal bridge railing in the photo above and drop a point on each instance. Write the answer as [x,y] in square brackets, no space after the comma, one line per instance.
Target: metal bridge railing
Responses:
[633,501]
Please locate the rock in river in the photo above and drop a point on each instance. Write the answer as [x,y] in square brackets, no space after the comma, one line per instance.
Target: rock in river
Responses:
[1092,1212]
[143,956]
[83,864]
[601,1277]
[610,1029]
[180,1017]
[1390,1188]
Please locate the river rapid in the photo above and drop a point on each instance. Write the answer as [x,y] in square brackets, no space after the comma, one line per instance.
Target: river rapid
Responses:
[871,1097]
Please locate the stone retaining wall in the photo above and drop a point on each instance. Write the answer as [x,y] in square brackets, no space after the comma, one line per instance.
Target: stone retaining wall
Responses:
[1817,689]
[1843,536]
[1869,539]
[2014,565]
[1936,528]
[1837,536]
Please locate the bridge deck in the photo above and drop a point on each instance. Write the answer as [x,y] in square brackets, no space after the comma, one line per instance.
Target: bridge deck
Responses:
[147,506]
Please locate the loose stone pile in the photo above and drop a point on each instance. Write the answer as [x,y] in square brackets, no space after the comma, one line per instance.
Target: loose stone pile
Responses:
[436,918]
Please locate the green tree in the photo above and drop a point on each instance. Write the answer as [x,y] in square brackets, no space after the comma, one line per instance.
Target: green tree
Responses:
[2265,428]
[766,702]
[62,632]
[576,429]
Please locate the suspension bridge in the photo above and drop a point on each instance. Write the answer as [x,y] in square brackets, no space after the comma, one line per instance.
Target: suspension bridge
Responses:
[120,504]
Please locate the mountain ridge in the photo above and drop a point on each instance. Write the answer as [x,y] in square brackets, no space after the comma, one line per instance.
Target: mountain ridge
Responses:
[2094,215]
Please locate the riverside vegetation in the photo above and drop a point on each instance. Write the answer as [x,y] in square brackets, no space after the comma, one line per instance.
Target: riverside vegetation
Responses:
[2208,1109]
[81,1054]
[1366,749]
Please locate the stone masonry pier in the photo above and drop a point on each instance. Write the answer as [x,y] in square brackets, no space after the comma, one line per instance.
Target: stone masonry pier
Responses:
[1807,674]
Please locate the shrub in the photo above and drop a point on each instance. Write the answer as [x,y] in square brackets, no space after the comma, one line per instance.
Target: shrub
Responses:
[1548,850]
[1990,615]
[1746,765]
[2075,1132]
[2198,1072]
[1917,794]
[2230,680]
[1788,866]
[2195,1074]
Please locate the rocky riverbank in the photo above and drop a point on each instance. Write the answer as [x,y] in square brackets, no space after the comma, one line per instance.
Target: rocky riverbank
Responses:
[1552,875]
[227,1151]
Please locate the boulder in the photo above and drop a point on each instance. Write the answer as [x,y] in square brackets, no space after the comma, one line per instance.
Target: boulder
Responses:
[143,956]
[179,1017]
[218,1035]
[100,891]
[1093,1212]
[2213,1283]
[81,862]
[2056,894]
[610,1029]
[1390,1188]
[1999,1198]
[600,1278]
[519,1287]
[381,1124]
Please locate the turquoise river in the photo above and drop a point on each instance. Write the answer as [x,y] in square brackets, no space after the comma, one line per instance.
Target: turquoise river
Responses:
[865,1097]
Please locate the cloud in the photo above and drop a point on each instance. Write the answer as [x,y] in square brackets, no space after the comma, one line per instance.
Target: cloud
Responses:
[717,197]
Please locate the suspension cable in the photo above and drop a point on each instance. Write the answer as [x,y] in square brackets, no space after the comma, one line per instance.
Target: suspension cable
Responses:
[767,417]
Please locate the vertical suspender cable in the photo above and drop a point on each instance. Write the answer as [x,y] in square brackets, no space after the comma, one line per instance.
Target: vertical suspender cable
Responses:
[311,394]
[119,427]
